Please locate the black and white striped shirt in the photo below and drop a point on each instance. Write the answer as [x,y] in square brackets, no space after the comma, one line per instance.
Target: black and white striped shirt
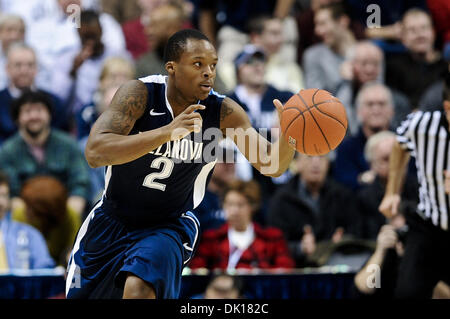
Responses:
[426,136]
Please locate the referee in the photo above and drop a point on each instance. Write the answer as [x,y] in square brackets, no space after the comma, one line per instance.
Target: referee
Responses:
[425,136]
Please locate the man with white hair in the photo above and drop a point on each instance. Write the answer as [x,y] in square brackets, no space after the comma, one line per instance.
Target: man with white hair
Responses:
[366,65]
[12,29]
[376,151]
[21,70]
[375,111]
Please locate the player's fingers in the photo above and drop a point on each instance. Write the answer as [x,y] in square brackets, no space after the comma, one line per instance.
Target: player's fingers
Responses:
[278,105]
[193,108]
[193,115]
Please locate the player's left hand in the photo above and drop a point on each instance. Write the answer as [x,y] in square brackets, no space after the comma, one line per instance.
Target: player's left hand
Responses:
[447,182]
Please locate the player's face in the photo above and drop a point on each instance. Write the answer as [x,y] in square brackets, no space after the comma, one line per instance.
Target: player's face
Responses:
[238,210]
[195,72]
[4,199]
[34,118]
[21,68]
[418,34]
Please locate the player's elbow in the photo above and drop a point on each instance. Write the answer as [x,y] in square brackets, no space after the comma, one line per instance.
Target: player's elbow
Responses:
[93,157]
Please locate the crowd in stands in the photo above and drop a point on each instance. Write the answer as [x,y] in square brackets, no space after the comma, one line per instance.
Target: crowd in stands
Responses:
[59,72]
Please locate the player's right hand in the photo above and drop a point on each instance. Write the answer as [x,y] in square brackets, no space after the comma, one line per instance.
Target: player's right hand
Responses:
[389,205]
[186,122]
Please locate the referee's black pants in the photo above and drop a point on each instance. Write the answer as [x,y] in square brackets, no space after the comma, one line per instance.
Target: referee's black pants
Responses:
[426,260]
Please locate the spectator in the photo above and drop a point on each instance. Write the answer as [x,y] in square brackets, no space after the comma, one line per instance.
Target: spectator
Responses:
[375,111]
[282,73]
[222,286]
[256,96]
[21,69]
[164,21]
[386,258]
[37,149]
[366,65]
[376,152]
[114,73]
[413,72]
[56,34]
[21,246]
[46,209]
[233,17]
[305,26]
[76,76]
[241,243]
[322,62]
[12,29]
[312,208]
[134,30]
[122,11]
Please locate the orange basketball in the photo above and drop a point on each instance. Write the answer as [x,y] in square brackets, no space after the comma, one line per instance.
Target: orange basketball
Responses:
[314,121]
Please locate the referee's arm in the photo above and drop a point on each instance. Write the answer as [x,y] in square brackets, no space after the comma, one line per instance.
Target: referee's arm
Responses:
[398,161]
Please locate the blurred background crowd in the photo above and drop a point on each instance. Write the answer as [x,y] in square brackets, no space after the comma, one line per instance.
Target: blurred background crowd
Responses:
[59,71]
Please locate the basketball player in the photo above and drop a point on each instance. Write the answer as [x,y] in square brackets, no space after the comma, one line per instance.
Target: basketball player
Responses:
[137,239]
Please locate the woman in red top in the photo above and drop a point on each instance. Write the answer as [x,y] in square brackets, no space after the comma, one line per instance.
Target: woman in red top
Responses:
[241,243]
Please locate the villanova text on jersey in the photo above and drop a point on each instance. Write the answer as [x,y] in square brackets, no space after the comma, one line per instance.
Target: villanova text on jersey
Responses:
[171,179]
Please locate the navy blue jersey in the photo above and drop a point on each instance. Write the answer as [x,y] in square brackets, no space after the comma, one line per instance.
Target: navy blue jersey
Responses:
[171,179]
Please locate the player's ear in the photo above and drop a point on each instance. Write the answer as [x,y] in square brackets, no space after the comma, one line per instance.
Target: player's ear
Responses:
[170,67]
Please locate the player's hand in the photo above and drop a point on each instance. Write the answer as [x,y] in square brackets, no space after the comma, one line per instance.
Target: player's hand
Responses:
[389,205]
[279,107]
[187,122]
[447,182]
[387,238]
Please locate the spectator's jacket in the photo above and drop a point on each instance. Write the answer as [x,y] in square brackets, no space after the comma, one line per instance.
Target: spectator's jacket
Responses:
[290,212]
[39,255]
[268,250]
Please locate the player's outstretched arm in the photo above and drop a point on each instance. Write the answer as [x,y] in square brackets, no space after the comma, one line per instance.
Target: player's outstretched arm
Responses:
[271,159]
[109,142]
[398,161]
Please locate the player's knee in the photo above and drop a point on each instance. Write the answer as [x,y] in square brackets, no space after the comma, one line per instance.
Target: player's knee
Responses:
[136,288]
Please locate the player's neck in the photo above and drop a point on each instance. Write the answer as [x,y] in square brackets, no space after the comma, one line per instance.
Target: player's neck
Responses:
[177,101]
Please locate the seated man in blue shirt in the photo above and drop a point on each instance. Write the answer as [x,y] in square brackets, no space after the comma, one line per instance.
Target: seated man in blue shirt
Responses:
[21,246]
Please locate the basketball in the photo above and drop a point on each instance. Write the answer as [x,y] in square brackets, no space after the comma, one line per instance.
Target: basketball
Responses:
[314,122]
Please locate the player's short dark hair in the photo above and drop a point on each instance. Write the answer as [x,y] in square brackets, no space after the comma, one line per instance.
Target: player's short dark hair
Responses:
[89,17]
[446,93]
[4,179]
[29,96]
[177,43]
[337,9]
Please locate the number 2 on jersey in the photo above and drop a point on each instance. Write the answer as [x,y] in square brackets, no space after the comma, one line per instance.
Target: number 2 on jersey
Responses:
[167,167]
